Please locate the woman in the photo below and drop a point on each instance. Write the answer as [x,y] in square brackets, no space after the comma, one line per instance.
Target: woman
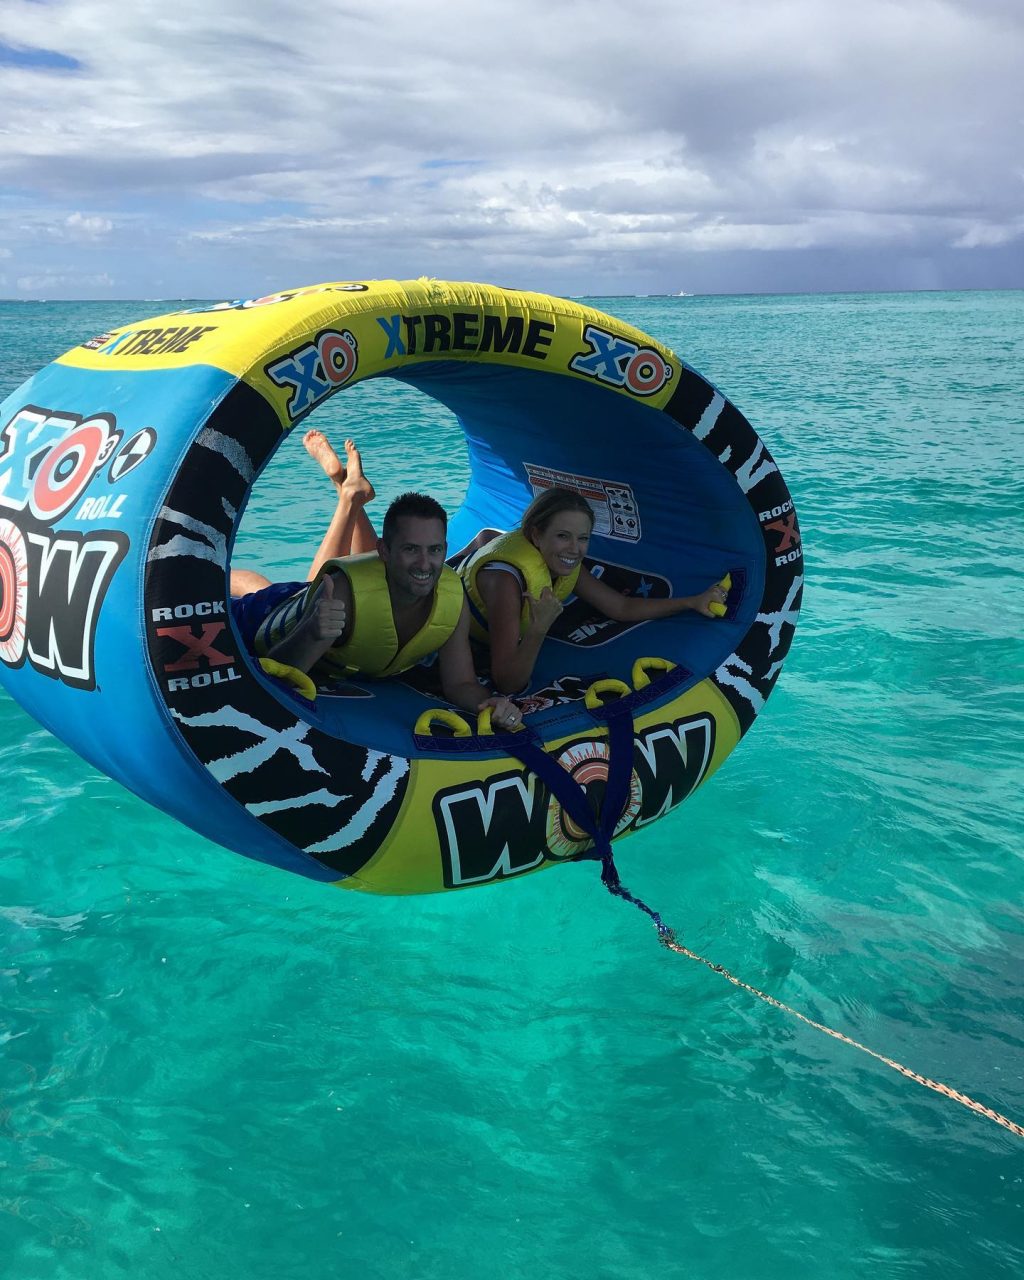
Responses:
[517,584]
[374,606]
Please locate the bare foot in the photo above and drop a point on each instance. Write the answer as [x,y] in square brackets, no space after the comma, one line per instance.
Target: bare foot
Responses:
[354,478]
[320,450]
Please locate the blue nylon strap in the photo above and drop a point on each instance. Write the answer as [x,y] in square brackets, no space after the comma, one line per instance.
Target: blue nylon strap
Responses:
[569,794]
[573,798]
[620,770]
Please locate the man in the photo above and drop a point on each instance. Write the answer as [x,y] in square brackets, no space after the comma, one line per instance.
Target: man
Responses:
[377,613]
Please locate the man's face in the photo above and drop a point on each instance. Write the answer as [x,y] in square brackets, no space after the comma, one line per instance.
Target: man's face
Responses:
[415,558]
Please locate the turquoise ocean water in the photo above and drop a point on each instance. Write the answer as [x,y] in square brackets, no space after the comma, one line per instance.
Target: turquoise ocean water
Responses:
[209,1068]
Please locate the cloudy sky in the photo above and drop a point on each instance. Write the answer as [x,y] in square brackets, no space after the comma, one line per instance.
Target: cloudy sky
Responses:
[227,148]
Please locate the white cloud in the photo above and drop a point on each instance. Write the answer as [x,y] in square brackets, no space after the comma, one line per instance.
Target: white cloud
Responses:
[985,234]
[574,136]
[88,226]
[58,284]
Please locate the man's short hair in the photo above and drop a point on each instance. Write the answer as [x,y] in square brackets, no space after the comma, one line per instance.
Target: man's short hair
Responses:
[421,506]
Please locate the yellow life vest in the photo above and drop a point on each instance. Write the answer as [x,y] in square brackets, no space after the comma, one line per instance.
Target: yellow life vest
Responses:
[372,647]
[516,549]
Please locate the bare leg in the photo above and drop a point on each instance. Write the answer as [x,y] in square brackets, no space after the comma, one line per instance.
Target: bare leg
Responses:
[364,536]
[350,531]
[245,581]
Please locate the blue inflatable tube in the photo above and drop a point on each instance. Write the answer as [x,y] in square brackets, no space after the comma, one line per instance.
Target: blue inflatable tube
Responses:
[124,470]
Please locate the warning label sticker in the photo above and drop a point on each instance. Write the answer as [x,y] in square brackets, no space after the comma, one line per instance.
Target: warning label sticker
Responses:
[614,506]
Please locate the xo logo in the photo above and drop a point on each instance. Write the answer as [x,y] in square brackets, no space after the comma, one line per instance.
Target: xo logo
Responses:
[48,459]
[316,370]
[620,363]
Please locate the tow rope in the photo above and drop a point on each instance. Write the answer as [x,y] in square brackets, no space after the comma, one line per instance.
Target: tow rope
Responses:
[573,798]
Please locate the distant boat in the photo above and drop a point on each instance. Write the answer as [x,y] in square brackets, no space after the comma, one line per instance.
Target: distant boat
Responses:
[681,294]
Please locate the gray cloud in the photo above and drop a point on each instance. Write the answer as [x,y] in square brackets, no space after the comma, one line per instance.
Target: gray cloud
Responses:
[584,147]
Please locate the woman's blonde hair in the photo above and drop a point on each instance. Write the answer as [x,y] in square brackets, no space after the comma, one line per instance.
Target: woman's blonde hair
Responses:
[543,509]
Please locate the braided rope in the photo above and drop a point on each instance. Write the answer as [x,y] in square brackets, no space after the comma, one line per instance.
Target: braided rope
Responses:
[573,797]
[668,939]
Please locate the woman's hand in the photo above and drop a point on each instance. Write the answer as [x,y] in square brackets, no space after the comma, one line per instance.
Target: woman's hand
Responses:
[543,610]
[715,595]
[504,713]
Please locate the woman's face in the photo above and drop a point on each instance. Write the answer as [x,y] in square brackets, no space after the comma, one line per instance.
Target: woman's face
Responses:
[563,542]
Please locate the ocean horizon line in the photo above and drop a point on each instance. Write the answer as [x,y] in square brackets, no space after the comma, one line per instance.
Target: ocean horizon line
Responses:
[775,293]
